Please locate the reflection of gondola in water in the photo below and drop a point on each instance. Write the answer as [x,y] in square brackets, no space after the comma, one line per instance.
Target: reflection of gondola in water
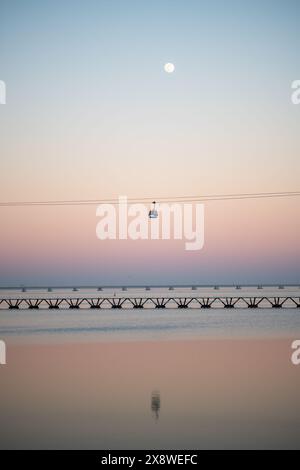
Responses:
[155,404]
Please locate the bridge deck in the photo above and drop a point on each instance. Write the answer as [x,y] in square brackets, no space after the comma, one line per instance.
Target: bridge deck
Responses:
[149,302]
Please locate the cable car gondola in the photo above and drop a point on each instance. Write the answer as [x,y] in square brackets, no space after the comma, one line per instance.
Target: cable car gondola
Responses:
[153,213]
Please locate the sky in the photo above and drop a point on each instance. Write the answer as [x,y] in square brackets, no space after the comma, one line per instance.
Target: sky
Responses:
[91,114]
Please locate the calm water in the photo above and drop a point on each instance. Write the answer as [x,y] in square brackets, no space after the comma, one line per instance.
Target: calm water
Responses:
[112,379]
[151,395]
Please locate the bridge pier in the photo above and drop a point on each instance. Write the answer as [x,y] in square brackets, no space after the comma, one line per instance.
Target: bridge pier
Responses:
[252,302]
[116,303]
[74,303]
[296,301]
[95,303]
[277,302]
[53,303]
[205,302]
[182,303]
[33,304]
[160,303]
[229,302]
[13,304]
[137,302]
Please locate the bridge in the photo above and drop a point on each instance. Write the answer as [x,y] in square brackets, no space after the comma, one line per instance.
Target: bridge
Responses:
[133,302]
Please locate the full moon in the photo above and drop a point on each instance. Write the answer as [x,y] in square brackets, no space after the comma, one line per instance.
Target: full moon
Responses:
[169,68]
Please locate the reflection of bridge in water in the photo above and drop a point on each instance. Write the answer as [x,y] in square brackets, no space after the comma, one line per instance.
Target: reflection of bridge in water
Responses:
[132,302]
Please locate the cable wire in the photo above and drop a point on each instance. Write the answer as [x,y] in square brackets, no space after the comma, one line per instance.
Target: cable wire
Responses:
[169,199]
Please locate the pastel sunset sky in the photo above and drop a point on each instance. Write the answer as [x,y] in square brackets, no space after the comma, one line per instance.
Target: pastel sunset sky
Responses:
[91,114]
